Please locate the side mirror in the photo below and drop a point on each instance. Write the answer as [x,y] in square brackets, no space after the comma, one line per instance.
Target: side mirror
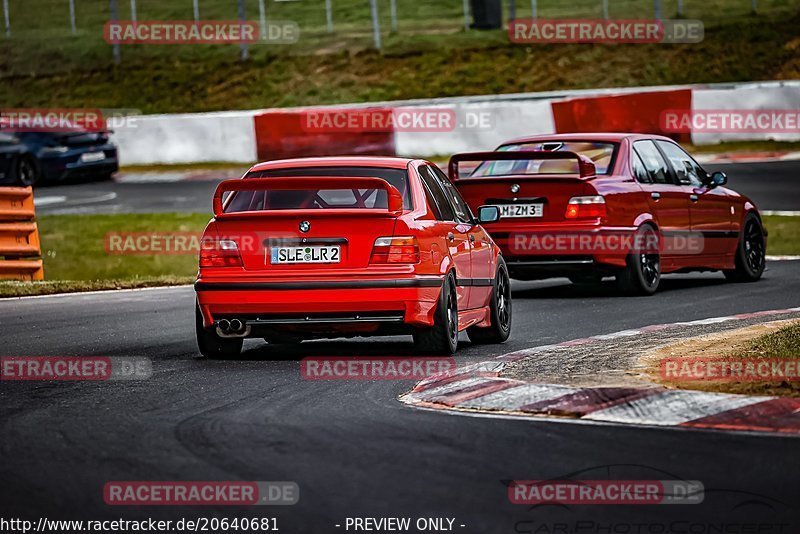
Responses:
[488,214]
[718,178]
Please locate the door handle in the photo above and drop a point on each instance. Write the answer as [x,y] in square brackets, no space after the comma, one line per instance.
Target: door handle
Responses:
[451,237]
[694,198]
[656,196]
[471,238]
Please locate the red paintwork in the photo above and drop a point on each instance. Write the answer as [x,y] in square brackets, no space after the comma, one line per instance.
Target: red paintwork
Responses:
[360,226]
[629,205]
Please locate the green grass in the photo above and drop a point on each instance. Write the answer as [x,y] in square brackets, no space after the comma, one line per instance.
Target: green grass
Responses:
[785,343]
[431,56]
[781,344]
[74,246]
[75,256]
[26,289]
[784,235]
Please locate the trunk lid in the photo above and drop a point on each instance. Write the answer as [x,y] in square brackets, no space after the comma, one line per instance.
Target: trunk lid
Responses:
[303,224]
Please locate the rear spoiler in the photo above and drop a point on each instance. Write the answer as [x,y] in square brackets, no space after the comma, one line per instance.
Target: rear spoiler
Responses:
[309,183]
[586,166]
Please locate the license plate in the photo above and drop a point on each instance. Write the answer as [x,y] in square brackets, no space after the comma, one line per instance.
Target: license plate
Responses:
[90,157]
[284,255]
[511,211]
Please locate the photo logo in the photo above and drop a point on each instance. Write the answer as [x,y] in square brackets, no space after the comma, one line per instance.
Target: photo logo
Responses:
[153,243]
[583,243]
[730,121]
[604,31]
[336,368]
[168,32]
[730,370]
[400,119]
[158,493]
[70,368]
[65,120]
[606,492]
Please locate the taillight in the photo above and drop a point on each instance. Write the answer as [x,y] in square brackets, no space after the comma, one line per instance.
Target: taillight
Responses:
[586,207]
[395,250]
[219,253]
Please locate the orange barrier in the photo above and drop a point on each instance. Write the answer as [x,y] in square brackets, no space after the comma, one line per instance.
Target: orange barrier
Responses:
[636,112]
[325,132]
[20,251]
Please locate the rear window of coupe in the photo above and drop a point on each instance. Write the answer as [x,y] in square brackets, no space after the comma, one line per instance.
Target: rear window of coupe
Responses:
[274,199]
[602,155]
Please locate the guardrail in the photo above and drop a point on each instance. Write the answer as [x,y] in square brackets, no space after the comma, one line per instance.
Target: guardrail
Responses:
[20,252]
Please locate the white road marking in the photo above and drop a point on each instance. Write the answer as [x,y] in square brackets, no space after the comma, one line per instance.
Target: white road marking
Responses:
[46,201]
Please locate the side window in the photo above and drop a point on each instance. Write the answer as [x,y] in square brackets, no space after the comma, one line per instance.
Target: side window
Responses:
[463,213]
[437,213]
[688,171]
[657,168]
[639,170]
[440,206]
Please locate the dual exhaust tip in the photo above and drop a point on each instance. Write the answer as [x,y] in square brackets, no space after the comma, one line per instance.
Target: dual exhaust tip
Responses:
[232,328]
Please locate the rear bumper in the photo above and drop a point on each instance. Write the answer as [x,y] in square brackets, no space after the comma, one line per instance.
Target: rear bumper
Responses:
[324,304]
[555,250]
[57,168]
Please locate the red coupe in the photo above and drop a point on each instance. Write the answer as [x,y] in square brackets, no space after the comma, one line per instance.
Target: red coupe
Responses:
[342,247]
[625,205]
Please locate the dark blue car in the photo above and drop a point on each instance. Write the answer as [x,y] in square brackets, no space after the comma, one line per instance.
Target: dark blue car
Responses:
[28,158]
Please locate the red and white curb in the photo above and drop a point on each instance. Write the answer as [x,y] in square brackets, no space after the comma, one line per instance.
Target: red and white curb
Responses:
[479,388]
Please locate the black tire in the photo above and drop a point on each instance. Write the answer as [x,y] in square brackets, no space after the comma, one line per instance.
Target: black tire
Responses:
[500,310]
[642,275]
[751,252]
[442,337]
[28,173]
[213,346]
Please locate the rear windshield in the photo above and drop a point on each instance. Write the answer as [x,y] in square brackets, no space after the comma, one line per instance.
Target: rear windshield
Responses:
[602,154]
[323,198]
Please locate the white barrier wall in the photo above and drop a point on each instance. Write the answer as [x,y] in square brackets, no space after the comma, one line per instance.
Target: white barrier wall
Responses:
[754,96]
[187,138]
[481,126]
[231,136]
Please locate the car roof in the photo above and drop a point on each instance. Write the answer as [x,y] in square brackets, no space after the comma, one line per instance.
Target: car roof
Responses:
[339,161]
[611,137]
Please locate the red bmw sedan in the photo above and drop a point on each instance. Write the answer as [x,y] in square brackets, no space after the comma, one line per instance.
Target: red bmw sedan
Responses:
[342,247]
[631,206]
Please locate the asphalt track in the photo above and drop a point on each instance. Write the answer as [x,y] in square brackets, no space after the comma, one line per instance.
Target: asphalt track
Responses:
[354,450]
[772,185]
